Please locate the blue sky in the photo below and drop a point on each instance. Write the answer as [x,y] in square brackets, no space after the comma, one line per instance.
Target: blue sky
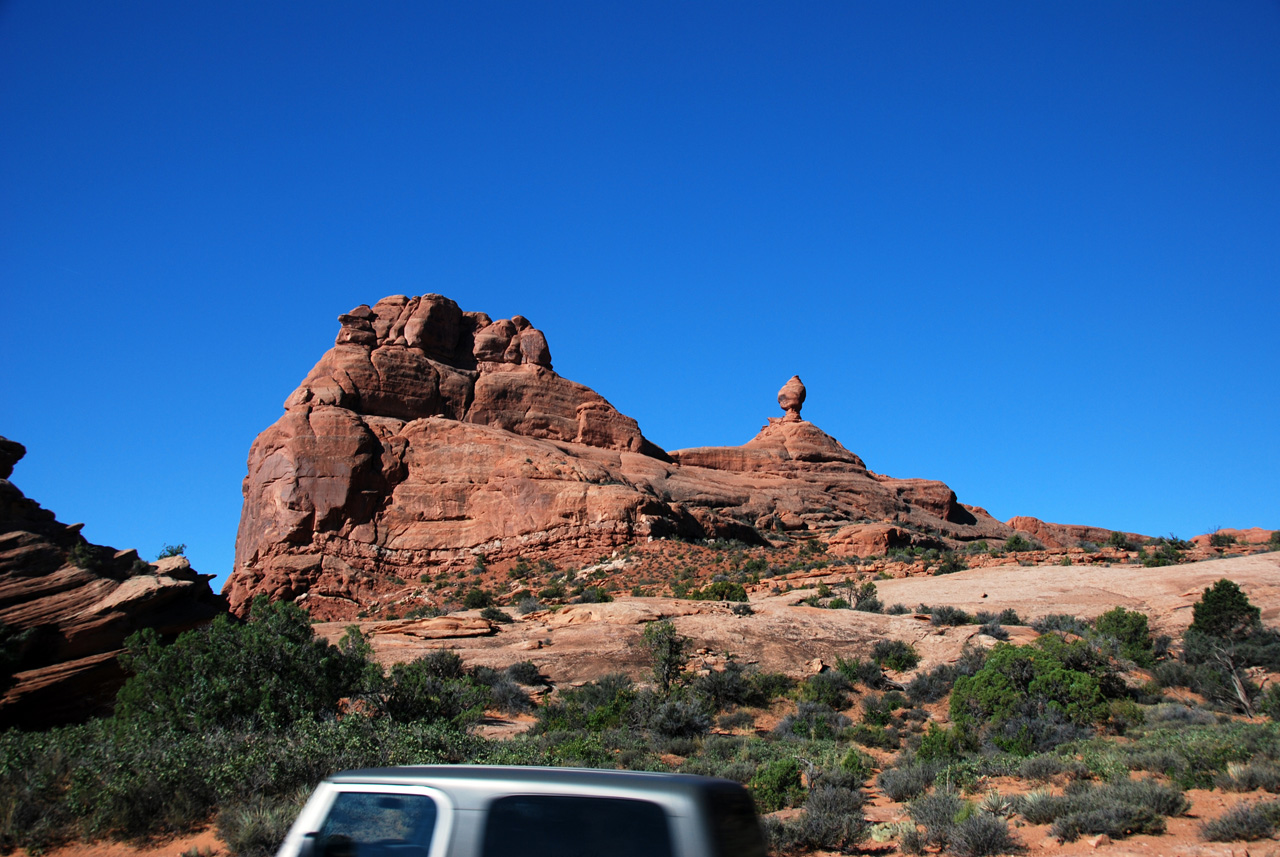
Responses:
[1029,249]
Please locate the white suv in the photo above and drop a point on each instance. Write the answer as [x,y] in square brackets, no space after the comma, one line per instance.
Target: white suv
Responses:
[490,811]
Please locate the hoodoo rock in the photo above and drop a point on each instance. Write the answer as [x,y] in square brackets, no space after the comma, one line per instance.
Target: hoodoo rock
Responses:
[429,436]
[66,607]
[791,398]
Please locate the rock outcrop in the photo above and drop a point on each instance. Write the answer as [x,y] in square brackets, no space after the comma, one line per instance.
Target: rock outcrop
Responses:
[66,607]
[1066,535]
[428,436]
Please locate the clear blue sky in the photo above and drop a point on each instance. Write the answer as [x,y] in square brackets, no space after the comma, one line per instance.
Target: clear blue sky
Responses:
[1030,249]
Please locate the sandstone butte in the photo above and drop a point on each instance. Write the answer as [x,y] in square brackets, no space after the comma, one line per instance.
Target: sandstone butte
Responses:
[428,436]
[66,607]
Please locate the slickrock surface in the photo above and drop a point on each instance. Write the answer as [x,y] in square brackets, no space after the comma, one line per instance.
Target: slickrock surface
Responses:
[582,642]
[428,436]
[67,606]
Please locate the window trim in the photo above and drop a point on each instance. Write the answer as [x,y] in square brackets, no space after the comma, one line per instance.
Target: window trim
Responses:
[317,810]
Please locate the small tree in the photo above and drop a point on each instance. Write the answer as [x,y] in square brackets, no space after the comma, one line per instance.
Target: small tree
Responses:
[668,651]
[1225,612]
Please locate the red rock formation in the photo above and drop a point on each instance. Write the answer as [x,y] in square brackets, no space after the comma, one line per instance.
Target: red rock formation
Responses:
[1065,535]
[428,435]
[66,607]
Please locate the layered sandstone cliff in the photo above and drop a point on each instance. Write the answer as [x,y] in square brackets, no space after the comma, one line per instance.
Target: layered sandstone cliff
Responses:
[66,607]
[428,436]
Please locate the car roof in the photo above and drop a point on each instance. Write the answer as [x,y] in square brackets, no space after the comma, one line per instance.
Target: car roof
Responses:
[467,784]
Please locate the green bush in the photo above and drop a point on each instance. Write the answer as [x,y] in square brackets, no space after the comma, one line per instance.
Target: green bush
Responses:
[895,655]
[720,590]
[1021,686]
[266,672]
[1017,543]
[777,784]
[1129,629]
[950,563]
[1119,541]
[477,599]
[493,614]
[946,615]
[829,688]
[417,691]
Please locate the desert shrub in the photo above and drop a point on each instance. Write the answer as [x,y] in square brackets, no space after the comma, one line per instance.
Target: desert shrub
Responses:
[528,605]
[898,610]
[866,599]
[767,687]
[1116,821]
[994,629]
[509,697]
[493,614]
[417,691]
[477,598]
[950,563]
[812,720]
[594,595]
[1119,541]
[940,745]
[872,735]
[1260,774]
[256,828]
[895,655]
[720,590]
[939,813]
[268,671]
[736,720]
[525,672]
[680,718]
[1117,809]
[932,685]
[777,784]
[857,671]
[723,688]
[982,834]
[907,780]
[878,710]
[1221,540]
[1246,822]
[946,615]
[1062,622]
[829,688]
[603,704]
[1017,543]
[833,819]
[1163,552]
[1008,616]
[1130,631]
[1269,702]
[1041,768]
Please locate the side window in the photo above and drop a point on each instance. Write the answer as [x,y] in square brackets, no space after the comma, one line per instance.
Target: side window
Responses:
[565,826]
[368,824]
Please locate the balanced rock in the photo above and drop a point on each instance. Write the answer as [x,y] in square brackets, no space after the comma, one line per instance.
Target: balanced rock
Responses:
[791,398]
